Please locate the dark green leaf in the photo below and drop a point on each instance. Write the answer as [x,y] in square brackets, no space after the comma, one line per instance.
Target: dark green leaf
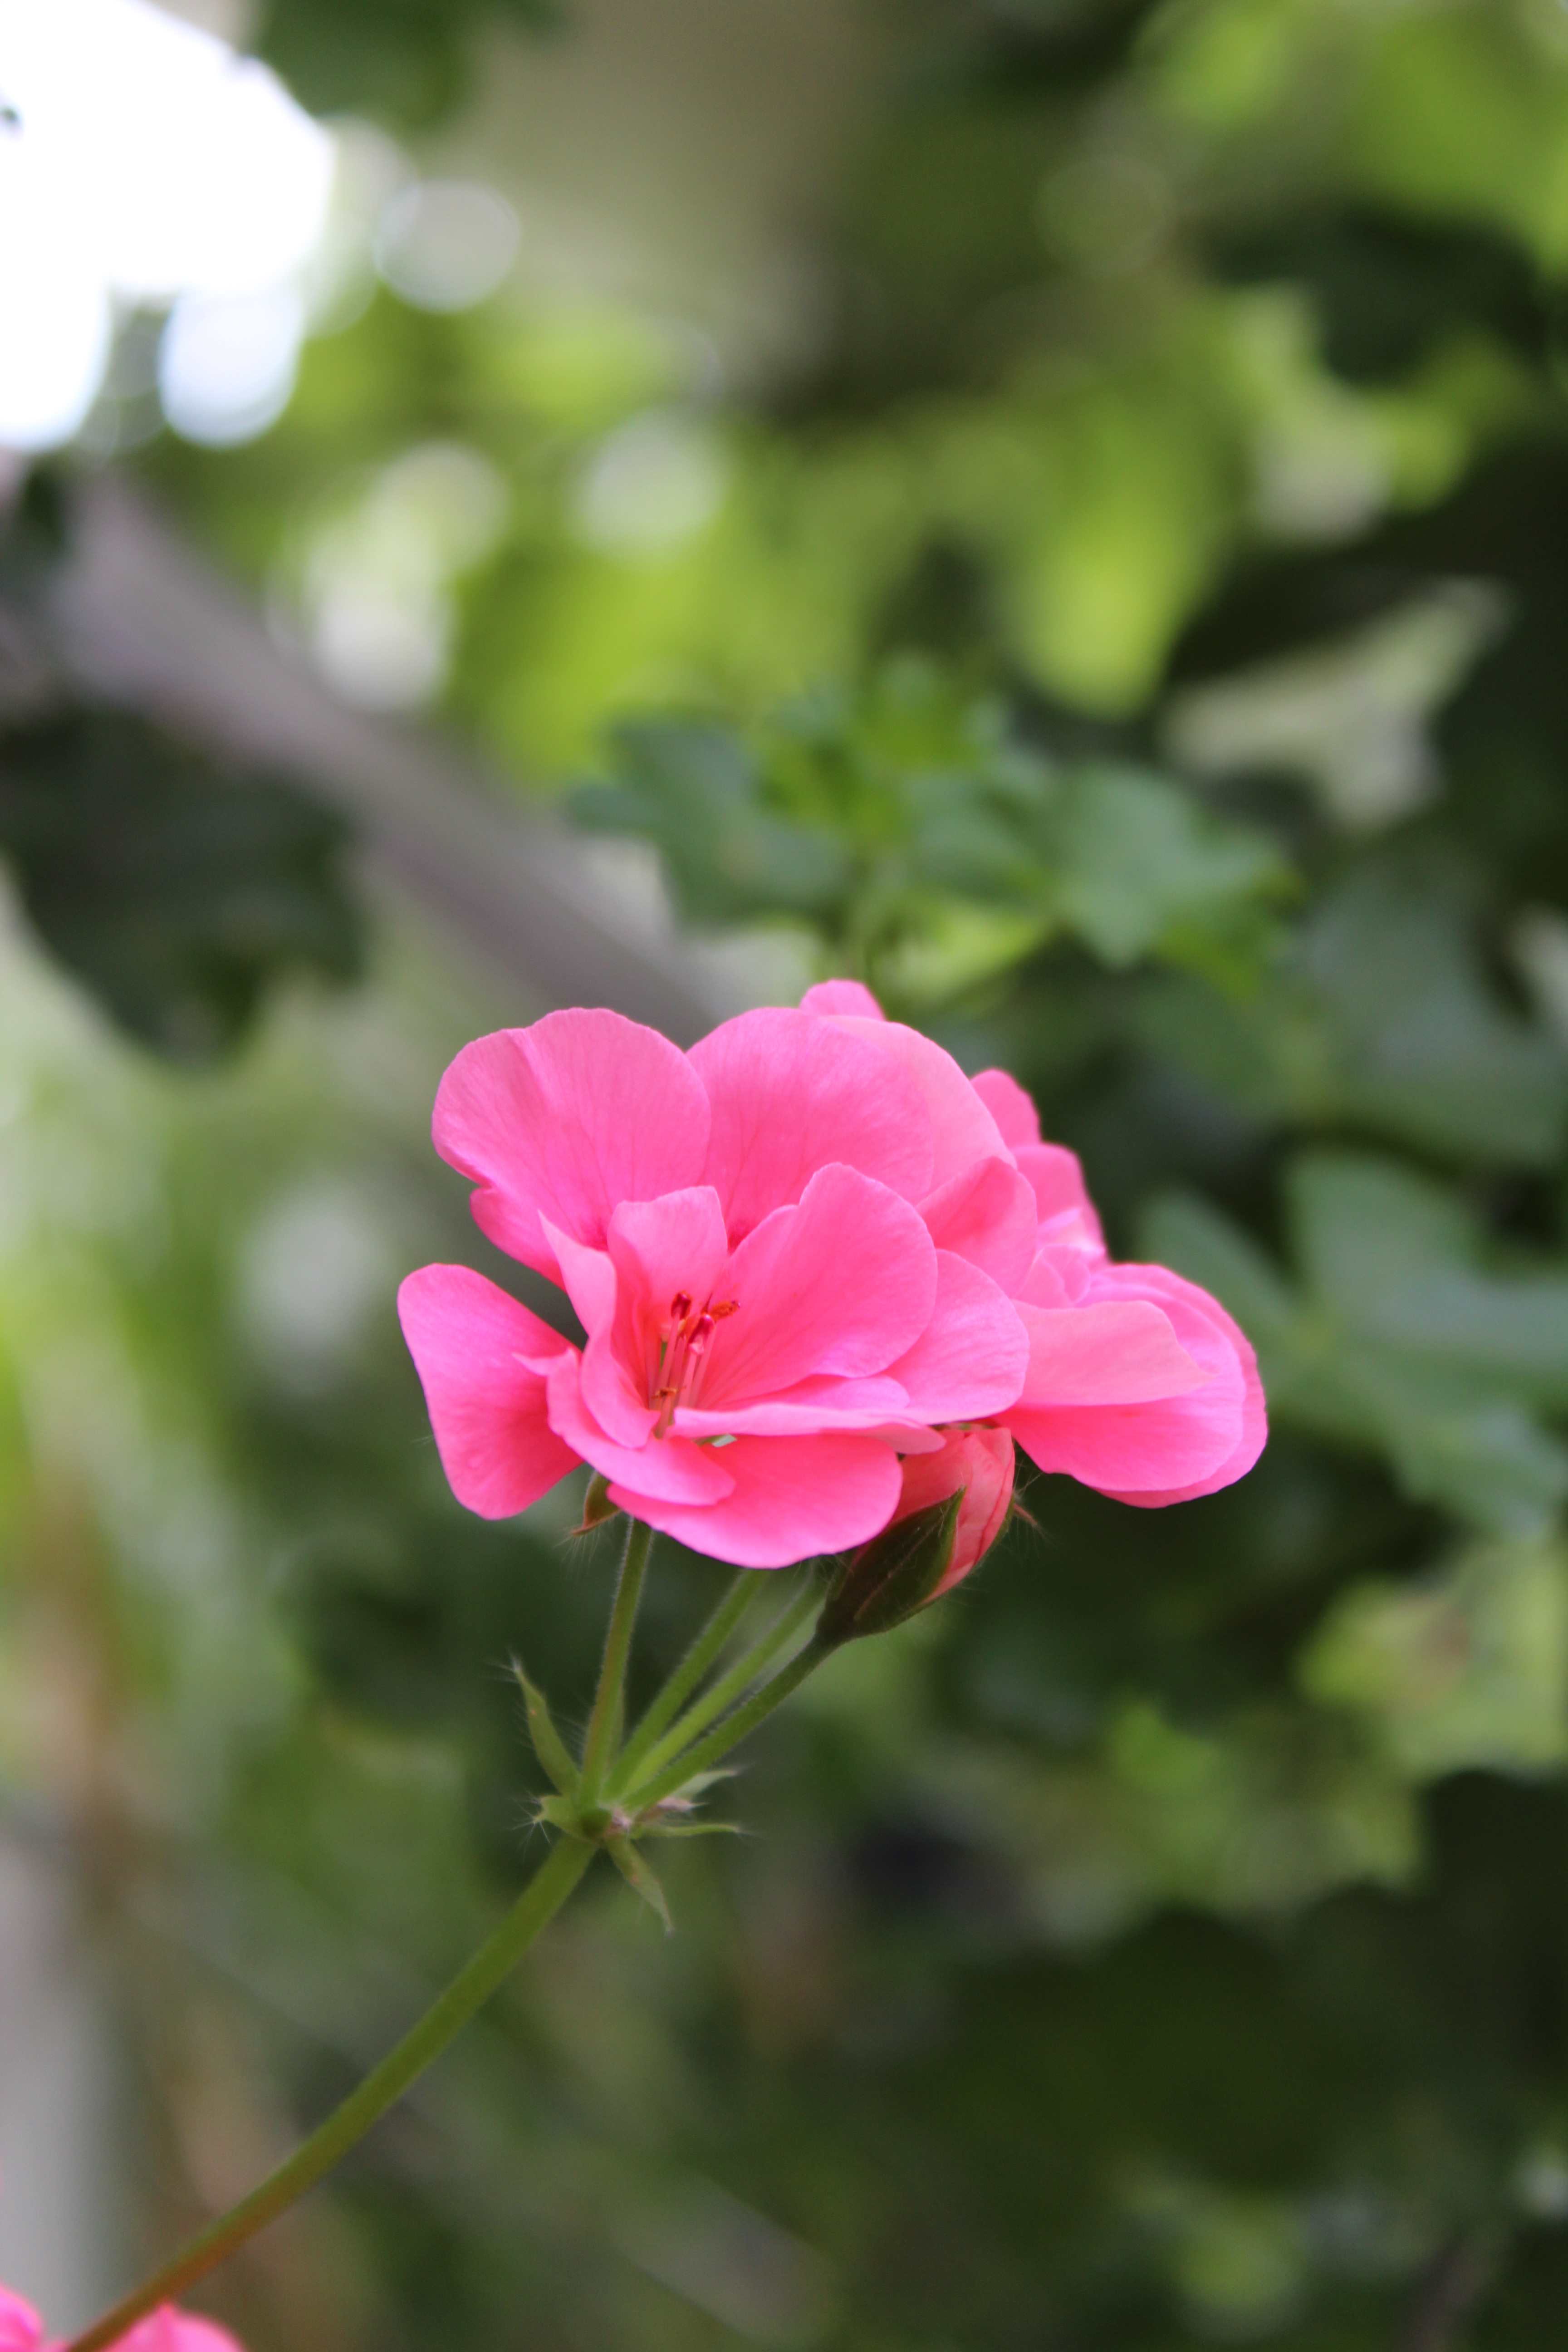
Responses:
[176,892]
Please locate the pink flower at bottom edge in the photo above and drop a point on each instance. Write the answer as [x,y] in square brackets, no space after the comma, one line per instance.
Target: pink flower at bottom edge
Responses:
[21,2330]
[168,2329]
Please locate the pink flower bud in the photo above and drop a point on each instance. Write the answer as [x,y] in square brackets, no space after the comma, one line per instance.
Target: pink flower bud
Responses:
[980,1461]
[952,1508]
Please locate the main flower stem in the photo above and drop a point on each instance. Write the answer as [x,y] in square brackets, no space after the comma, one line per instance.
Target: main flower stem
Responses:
[468,1992]
[605,1723]
[705,1650]
[662,1771]
[728,1688]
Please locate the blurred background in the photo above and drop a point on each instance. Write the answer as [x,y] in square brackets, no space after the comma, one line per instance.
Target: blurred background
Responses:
[1059,507]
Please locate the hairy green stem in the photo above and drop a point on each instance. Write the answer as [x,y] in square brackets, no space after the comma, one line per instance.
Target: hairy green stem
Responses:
[703,1653]
[604,1724]
[728,1688]
[468,1992]
[733,1729]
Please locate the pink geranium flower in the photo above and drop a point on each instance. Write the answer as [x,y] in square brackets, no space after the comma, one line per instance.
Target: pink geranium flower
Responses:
[1138,1382]
[807,1247]
[164,2330]
[765,1242]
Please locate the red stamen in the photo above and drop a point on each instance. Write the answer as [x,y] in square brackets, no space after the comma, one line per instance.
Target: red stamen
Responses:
[683,1347]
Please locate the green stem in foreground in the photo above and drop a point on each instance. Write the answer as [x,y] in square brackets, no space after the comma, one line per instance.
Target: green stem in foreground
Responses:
[728,1688]
[468,1992]
[604,1724]
[734,1728]
[705,1650]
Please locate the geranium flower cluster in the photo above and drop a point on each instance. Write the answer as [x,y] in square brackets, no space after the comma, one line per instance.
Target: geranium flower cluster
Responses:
[824,1278]
[165,2330]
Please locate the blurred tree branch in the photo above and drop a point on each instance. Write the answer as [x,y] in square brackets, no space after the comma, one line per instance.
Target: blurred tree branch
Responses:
[133,618]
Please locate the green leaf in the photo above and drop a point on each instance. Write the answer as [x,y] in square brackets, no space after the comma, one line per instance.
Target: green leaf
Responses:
[1140,867]
[1395,1255]
[1424,1046]
[409,62]
[175,890]
[548,1745]
[698,793]
[1400,1337]
[1381,1017]
[1468,1669]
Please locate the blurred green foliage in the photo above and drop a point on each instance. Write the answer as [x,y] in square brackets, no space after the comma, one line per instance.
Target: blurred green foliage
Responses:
[906,833]
[1130,633]
[406,62]
[176,891]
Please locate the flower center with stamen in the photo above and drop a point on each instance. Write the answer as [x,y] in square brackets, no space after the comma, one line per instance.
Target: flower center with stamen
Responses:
[684,1343]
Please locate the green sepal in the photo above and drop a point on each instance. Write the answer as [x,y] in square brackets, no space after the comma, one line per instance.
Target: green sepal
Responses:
[548,1745]
[640,1878]
[678,1804]
[597,1506]
[698,1785]
[891,1578]
[656,1828]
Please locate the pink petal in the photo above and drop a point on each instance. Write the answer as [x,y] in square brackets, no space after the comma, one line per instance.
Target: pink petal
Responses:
[961,1128]
[1170,1449]
[675,1243]
[875,1403]
[987,1214]
[670,1467]
[1057,1277]
[1009,1105]
[1212,1335]
[487,1407]
[851,996]
[795,1498]
[970,1359]
[1061,1194]
[565,1119]
[842,1284]
[586,1274]
[657,1249]
[791,1092]
[1118,1351]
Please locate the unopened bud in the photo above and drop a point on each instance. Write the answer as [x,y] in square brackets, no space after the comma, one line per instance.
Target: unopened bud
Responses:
[954,1507]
